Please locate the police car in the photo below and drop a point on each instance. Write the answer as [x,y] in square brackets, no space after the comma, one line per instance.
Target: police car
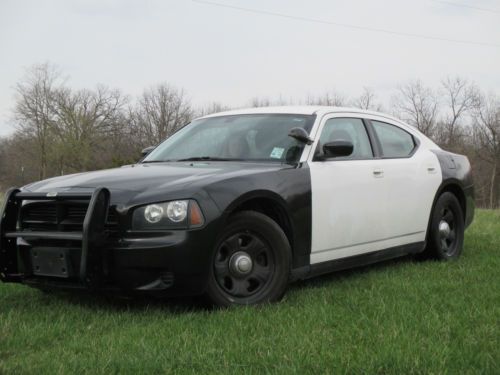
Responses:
[236,205]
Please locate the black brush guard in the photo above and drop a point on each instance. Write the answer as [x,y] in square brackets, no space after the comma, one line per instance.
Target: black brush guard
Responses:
[92,237]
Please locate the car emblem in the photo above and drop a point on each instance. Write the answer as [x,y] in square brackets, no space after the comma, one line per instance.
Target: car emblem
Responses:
[52,194]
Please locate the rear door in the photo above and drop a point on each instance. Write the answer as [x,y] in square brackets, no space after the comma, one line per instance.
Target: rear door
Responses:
[411,176]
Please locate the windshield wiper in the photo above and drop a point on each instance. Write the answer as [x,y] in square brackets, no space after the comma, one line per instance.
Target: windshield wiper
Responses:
[156,161]
[208,158]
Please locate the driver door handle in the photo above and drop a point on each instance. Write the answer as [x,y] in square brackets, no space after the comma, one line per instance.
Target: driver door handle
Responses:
[378,173]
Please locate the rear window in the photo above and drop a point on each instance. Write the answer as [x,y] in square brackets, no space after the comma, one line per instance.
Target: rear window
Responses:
[395,142]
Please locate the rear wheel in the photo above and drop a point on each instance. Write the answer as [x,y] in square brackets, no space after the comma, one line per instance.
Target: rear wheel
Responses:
[251,262]
[446,235]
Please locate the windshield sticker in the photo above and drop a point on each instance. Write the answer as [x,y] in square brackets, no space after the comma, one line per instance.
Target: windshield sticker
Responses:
[277,152]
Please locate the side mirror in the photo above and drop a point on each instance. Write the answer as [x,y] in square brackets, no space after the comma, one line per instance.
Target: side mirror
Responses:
[147,150]
[301,135]
[337,149]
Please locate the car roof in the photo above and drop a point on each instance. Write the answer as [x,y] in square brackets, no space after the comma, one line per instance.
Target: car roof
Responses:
[298,110]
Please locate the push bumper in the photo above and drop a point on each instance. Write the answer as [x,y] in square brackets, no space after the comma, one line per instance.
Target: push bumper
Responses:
[166,263]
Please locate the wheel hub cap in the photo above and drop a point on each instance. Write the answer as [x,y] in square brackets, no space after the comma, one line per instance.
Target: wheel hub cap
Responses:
[240,264]
[444,229]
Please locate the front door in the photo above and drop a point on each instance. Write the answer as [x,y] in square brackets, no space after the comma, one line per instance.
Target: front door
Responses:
[349,197]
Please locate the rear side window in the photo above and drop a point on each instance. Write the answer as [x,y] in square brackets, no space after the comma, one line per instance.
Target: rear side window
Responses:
[395,142]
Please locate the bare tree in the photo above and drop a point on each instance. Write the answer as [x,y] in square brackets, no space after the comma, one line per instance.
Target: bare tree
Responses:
[83,119]
[267,102]
[332,98]
[418,105]
[213,107]
[161,110]
[256,102]
[459,97]
[33,111]
[366,100]
[486,129]
[19,162]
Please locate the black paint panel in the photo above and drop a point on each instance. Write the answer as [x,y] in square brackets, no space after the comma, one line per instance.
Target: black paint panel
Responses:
[357,261]
[288,187]
[457,172]
[140,258]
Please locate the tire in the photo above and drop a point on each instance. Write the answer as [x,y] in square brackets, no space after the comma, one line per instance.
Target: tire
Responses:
[446,243]
[251,262]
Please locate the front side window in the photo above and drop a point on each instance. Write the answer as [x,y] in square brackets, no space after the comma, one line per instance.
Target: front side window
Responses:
[260,137]
[395,142]
[346,129]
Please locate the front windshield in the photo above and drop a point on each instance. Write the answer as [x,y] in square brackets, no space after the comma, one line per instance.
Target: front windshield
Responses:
[254,137]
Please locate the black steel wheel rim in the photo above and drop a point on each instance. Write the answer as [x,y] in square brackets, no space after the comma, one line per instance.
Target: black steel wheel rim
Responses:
[447,229]
[243,265]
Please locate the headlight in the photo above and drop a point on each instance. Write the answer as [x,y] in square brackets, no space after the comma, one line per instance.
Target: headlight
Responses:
[177,210]
[153,213]
[180,214]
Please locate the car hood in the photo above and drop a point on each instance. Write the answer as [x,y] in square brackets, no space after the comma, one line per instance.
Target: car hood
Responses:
[142,178]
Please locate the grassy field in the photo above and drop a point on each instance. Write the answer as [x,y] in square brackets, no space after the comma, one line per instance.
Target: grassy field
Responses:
[399,317]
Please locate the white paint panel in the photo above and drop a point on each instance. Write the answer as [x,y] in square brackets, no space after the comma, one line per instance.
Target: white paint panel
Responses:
[356,211]
[411,188]
[348,204]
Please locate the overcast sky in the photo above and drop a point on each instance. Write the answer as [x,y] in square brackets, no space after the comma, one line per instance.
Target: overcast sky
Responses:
[229,55]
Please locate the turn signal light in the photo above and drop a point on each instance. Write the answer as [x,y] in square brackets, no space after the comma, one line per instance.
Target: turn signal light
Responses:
[195,215]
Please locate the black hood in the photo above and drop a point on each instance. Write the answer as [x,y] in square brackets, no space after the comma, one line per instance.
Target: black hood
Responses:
[150,178]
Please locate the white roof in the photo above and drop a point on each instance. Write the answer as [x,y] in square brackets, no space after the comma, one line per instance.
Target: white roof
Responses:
[298,110]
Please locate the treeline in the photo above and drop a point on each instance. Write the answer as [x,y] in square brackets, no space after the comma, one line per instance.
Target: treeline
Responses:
[61,130]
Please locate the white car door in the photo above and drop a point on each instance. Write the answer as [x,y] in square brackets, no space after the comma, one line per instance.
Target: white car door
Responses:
[412,176]
[377,198]
[349,197]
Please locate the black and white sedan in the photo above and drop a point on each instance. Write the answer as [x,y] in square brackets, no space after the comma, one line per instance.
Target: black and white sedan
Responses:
[236,205]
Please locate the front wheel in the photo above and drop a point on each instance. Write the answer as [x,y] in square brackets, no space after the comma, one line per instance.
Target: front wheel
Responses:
[251,262]
[446,235]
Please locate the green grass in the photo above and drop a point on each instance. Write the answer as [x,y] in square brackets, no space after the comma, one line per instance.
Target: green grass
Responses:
[398,317]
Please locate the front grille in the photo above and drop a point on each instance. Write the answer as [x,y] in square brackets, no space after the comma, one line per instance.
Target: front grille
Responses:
[60,216]
[39,217]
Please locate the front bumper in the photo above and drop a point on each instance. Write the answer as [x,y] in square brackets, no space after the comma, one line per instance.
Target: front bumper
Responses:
[168,263]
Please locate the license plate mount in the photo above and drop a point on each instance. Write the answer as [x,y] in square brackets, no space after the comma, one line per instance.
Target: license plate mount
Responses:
[52,262]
